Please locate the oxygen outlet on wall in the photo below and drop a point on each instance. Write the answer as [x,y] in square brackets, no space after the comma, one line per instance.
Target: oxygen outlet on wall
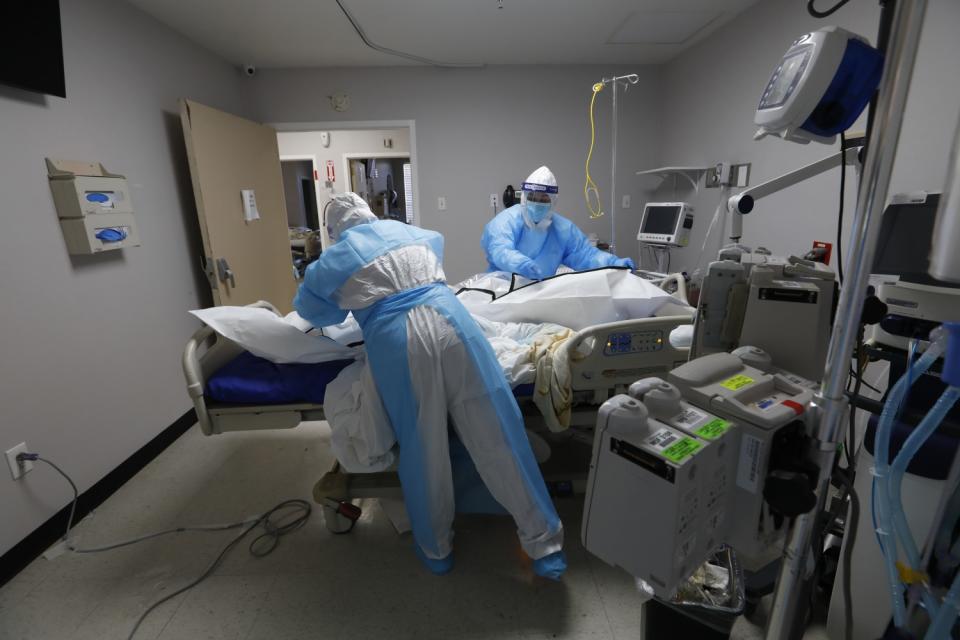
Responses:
[441,204]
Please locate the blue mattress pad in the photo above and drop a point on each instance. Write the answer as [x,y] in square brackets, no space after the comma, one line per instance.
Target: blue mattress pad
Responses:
[249,379]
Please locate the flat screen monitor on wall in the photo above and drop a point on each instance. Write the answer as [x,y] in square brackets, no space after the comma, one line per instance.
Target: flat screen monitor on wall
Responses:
[31,48]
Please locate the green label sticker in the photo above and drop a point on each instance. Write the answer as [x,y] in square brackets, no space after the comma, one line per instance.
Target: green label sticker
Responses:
[685,448]
[713,429]
[736,382]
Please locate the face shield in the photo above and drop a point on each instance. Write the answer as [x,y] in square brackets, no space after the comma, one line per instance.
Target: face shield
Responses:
[538,204]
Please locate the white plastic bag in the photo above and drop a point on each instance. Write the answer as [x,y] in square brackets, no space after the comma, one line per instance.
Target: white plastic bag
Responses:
[574,300]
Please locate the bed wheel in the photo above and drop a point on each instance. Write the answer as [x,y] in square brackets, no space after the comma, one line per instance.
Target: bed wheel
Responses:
[340,517]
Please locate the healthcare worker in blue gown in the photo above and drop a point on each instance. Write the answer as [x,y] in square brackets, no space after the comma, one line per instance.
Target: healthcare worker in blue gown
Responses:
[429,360]
[533,240]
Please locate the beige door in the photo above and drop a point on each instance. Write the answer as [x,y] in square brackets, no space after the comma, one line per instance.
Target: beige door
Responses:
[246,252]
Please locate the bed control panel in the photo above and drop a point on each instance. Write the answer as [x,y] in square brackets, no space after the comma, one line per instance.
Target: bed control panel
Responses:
[633,342]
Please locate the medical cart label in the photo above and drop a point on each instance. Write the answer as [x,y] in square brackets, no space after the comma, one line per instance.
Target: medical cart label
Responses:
[748,471]
[672,446]
[688,418]
[681,450]
[795,379]
[713,429]
[736,382]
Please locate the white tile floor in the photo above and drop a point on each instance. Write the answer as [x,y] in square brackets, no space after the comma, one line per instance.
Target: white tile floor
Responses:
[367,584]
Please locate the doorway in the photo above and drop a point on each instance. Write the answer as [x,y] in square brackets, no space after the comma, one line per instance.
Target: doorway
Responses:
[299,193]
[384,181]
[376,159]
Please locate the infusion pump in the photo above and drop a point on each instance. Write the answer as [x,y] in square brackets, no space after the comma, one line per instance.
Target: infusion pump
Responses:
[714,454]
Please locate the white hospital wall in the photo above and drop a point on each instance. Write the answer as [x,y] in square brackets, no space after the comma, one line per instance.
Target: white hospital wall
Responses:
[90,347]
[478,130]
[712,90]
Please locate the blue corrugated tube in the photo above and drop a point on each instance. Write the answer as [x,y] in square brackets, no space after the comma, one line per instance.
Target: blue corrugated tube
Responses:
[940,629]
[914,442]
[885,530]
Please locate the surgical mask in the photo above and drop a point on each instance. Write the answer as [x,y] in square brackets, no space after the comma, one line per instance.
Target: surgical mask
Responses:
[538,211]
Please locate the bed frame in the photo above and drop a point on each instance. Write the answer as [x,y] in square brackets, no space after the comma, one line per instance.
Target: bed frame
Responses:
[596,374]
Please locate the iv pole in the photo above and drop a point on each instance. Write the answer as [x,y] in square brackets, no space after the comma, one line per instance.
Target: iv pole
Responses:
[627,80]
[829,407]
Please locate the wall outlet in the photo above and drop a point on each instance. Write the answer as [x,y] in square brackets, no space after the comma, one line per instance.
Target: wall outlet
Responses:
[18,469]
[494,200]
[625,202]
[441,204]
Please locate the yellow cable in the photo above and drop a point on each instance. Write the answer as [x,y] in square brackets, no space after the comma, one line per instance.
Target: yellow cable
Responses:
[589,186]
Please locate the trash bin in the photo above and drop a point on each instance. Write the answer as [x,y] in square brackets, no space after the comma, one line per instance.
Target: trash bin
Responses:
[705,606]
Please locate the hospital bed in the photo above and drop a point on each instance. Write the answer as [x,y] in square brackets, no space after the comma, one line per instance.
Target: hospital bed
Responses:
[608,357]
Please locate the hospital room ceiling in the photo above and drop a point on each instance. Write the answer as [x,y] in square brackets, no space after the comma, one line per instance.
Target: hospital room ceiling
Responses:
[316,33]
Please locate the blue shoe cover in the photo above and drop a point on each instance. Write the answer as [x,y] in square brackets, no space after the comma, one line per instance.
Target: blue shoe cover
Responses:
[439,567]
[551,566]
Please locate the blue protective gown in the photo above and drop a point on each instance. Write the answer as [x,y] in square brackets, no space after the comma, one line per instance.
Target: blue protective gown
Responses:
[429,360]
[512,246]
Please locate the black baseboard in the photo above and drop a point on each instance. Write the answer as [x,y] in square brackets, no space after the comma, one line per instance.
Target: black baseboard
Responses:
[47,534]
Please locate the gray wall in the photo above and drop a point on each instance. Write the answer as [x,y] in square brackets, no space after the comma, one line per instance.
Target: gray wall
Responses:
[712,90]
[478,130]
[90,347]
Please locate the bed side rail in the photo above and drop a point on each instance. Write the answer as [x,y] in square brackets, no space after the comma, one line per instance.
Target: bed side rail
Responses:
[613,354]
[205,352]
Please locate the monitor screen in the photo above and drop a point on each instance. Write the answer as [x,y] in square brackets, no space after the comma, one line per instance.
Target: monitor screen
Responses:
[660,219]
[784,80]
[31,49]
[903,248]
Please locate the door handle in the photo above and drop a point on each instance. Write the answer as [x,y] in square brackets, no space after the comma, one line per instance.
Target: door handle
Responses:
[225,273]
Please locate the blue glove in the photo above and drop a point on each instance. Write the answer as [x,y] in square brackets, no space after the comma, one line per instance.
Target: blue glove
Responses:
[111,235]
[530,270]
[626,262]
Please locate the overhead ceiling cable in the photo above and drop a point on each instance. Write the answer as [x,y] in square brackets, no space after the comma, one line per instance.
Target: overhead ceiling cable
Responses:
[399,54]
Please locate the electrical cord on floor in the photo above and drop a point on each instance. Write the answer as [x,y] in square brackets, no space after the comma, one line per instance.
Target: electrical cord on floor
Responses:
[275,523]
